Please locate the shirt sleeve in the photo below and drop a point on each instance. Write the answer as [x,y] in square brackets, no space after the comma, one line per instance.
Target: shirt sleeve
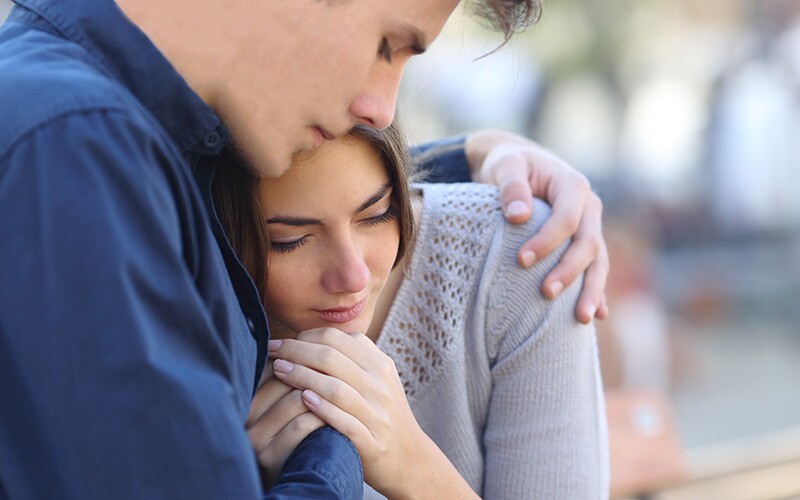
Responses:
[325,466]
[115,381]
[546,432]
[443,161]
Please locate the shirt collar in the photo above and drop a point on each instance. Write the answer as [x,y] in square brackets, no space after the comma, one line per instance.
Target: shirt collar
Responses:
[127,55]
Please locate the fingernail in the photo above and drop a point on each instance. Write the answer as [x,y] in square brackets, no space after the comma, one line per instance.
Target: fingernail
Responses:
[590,311]
[515,208]
[528,258]
[556,288]
[282,366]
[274,345]
[310,397]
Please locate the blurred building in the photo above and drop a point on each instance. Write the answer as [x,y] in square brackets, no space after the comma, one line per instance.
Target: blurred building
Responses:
[686,117]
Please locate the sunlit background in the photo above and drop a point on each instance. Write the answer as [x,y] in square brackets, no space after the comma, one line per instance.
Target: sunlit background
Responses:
[685,115]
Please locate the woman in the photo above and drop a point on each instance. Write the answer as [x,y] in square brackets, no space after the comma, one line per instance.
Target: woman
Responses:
[413,331]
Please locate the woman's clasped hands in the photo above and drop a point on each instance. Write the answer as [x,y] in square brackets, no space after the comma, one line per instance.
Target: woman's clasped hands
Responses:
[326,376]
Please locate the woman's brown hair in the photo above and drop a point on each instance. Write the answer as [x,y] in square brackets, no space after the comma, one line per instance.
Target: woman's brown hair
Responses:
[235,195]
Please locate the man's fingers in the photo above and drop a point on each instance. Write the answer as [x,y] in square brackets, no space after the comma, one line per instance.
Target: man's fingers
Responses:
[574,205]
[555,231]
[587,253]
[587,245]
[575,260]
[602,311]
[591,303]
[511,174]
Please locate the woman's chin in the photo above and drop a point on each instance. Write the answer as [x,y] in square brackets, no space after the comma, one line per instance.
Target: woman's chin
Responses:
[349,327]
[280,331]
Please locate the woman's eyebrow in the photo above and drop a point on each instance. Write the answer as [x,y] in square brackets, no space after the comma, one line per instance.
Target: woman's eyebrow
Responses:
[293,221]
[375,198]
[306,221]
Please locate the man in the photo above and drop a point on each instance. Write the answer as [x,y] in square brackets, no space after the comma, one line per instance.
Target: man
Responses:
[130,336]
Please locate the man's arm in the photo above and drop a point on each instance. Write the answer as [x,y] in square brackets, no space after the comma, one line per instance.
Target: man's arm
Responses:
[522,169]
[116,381]
[322,467]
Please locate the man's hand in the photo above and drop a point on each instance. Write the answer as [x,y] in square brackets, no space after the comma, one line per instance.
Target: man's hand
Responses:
[523,168]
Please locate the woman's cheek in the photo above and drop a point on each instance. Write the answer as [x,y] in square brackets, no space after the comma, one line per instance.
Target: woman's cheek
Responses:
[289,289]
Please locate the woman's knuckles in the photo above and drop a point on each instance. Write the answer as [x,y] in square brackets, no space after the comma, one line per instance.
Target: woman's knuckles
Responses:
[335,392]
[304,424]
[327,359]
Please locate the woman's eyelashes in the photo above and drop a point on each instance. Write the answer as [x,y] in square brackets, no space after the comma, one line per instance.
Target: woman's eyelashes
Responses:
[288,246]
[388,215]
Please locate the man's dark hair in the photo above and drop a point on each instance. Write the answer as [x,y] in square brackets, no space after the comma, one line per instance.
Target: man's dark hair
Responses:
[507,16]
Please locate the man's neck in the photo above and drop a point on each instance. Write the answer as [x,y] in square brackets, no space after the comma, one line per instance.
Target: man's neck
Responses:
[173,28]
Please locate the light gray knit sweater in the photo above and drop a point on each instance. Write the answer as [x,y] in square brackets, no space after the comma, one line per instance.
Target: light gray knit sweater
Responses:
[505,382]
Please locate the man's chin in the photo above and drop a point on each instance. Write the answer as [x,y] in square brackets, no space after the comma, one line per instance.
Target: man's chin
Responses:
[261,163]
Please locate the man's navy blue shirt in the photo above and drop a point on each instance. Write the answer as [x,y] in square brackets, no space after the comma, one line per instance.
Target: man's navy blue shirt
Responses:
[130,335]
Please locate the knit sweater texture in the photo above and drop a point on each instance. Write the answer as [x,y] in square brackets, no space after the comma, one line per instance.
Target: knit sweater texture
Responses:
[504,381]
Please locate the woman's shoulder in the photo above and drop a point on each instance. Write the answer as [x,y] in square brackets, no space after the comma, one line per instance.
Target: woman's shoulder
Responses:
[474,210]
[509,294]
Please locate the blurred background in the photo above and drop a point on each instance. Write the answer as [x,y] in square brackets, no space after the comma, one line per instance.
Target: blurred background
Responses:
[685,115]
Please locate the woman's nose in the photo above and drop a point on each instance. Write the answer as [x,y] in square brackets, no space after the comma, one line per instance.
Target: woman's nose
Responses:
[347,273]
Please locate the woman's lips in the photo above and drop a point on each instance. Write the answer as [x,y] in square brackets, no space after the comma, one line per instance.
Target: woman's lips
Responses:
[342,315]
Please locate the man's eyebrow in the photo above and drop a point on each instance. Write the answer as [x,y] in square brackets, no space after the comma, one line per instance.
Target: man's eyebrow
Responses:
[418,42]
[375,198]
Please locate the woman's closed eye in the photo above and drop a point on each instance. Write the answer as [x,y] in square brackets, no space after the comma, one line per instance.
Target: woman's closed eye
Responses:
[387,215]
[288,246]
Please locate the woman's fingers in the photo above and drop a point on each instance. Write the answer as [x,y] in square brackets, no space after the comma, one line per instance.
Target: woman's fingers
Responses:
[287,439]
[268,423]
[328,350]
[340,420]
[332,388]
[363,400]
[274,453]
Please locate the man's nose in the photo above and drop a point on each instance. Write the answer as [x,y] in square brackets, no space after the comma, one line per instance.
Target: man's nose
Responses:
[374,106]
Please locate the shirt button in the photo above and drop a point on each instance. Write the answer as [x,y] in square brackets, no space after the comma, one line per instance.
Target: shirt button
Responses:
[212,140]
[251,325]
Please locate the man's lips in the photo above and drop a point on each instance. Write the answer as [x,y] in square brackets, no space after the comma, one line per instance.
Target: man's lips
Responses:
[344,314]
[325,134]
[320,135]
